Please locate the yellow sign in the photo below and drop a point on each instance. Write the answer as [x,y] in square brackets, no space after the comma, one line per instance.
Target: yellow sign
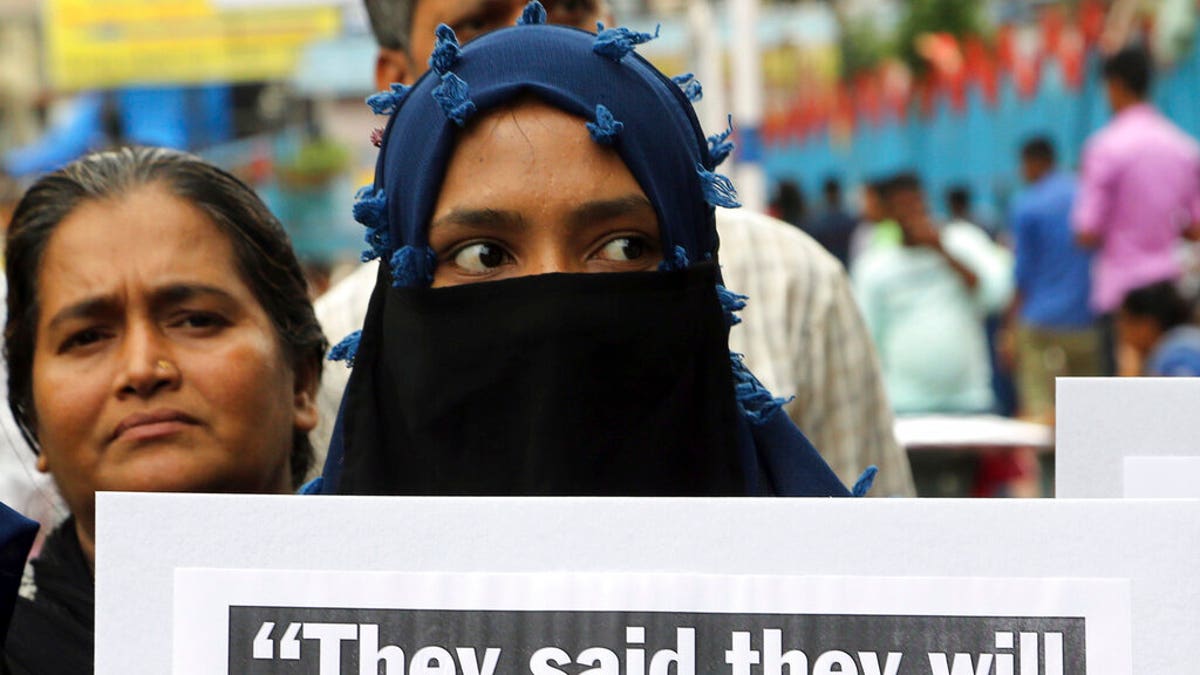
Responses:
[94,44]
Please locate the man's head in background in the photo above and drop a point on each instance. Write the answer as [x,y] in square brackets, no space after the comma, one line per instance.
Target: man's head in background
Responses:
[874,199]
[831,189]
[404,29]
[1127,77]
[1148,312]
[789,202]
[1037,159]
[904,197]
[958,202]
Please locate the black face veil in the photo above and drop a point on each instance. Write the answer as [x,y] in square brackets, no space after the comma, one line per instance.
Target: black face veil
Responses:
[561,384]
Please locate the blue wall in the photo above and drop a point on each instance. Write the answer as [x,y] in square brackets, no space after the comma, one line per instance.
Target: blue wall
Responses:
[978,146]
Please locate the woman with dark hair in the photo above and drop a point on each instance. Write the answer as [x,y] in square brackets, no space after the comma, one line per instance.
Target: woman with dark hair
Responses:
[159,338]
[493,359]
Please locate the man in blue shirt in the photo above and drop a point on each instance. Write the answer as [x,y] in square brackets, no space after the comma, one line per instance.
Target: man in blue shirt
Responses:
[1055,332]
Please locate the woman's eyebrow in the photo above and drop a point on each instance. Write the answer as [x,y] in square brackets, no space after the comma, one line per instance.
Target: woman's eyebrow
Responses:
[87,308]
[109,305]
[608,209]
[478,219]
[174,294]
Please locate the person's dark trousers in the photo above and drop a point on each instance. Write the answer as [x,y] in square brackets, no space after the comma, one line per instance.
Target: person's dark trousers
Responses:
[1003,388]
[1108,344]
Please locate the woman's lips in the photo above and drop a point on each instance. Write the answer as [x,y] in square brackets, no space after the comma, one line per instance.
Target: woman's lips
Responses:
[151,425]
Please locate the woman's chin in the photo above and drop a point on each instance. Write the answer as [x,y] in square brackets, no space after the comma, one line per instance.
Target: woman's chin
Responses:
[177,469]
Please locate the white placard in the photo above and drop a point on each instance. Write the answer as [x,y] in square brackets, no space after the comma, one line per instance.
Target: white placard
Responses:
[143,538]
[1100,421]
[1162,477]
[254,621]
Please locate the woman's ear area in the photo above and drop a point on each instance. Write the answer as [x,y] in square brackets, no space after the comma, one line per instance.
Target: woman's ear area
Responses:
[304,396]
[392,65]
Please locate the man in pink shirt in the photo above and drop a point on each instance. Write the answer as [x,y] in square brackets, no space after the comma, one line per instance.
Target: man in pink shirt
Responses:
[1139,188]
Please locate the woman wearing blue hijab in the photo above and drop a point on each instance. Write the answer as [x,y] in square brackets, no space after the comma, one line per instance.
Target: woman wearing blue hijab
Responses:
[528,159]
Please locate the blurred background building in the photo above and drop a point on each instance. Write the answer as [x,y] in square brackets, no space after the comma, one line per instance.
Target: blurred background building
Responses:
[854,88]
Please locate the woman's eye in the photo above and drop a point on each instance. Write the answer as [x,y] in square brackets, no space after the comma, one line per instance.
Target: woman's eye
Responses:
[480,258]
[201,320]
[82,338]
[624,249]
[470,27]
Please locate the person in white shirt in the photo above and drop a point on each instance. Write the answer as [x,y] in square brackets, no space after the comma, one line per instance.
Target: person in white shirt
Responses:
[925,300]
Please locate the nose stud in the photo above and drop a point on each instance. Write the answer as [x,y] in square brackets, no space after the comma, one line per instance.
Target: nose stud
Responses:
[164,366]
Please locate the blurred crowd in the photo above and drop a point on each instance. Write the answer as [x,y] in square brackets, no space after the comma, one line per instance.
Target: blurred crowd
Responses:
[1088,275]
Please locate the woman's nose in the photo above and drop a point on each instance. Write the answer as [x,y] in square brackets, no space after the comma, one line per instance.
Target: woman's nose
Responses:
[147,364]
[550,259]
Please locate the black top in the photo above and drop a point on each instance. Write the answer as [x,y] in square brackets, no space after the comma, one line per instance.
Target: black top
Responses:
[53,633]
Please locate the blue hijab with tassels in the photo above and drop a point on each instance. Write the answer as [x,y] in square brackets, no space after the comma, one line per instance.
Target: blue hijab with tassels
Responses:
[648,119]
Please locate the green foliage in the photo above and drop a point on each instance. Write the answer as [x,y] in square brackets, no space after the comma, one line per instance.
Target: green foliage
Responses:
[861,47]
[315,163]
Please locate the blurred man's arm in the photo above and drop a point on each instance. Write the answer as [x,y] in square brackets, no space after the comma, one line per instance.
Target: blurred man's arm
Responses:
[1025,252]
[968,276]
[1024,259]
[991,264]
[1006,343]
[921,231]
[1093,198]
[1191,230]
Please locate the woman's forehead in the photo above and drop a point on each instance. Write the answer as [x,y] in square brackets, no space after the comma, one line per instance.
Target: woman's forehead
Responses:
[111,223]
[144,238]
[531,162]
[541,142]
